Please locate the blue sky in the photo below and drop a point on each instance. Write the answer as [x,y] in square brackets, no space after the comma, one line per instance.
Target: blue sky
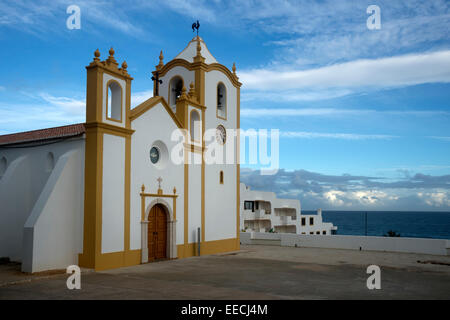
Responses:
[363,114]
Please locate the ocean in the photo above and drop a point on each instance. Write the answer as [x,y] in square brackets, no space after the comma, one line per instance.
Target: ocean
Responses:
[407,224]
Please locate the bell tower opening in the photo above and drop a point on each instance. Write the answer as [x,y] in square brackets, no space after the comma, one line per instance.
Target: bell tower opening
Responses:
[114,102]
[221,101]
[175,88]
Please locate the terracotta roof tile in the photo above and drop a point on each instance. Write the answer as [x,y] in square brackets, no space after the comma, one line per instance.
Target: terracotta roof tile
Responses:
[43,134]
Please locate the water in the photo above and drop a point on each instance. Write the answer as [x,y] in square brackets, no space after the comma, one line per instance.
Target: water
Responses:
[408,224]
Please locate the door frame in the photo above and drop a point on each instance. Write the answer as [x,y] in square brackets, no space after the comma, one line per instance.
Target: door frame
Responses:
[171,248]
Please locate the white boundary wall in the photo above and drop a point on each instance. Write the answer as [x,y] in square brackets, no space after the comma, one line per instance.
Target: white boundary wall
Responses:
[392,244]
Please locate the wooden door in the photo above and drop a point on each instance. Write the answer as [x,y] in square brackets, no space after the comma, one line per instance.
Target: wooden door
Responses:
[157,233]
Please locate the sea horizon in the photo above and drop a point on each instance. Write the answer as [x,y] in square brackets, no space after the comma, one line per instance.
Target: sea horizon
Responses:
[409,224]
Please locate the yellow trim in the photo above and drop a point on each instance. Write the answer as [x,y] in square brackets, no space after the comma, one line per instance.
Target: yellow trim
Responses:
[127,193]
[121,101]
[238,166]
[120,259]
[169,86]
[150,103]
[208,247]
[193,148]
[110,129]
[195,65]
[160,194]
[92,197]
[226,101]
[203,198]
[186,200]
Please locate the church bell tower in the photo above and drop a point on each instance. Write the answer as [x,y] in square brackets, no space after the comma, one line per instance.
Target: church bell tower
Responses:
[106,232]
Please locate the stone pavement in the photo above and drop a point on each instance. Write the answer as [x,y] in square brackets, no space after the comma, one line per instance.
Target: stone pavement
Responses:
[255,272]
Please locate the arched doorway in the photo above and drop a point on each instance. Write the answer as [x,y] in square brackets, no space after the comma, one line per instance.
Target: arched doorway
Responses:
[157,233]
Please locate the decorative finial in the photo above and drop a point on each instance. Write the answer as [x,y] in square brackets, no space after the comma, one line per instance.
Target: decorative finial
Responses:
[174,190]
[234,67]
[199,47]
[191,91]
[143,188]
[124,66]
[198,57]
[111,57]
[97,55]
[161,62]
[183,93]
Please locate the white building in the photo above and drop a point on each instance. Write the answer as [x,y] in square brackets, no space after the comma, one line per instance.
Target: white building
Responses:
[106,193]
[264,212]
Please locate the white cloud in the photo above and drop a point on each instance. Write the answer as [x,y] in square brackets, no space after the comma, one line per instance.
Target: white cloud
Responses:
[342,136]
[47,110]
[439,198]
[377,73]
[316,190]
[441,138]
[40,17]
[69,105]
[305,112]
[138,97]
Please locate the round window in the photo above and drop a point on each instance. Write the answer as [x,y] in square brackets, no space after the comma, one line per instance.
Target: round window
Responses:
[154,155]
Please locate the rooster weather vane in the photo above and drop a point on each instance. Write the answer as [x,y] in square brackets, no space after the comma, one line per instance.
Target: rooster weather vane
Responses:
[195,25]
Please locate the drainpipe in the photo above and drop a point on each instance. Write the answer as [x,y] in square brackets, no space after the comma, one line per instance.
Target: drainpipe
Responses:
[198,241]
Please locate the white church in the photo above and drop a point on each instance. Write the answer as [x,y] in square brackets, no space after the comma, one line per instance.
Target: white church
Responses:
[105,193]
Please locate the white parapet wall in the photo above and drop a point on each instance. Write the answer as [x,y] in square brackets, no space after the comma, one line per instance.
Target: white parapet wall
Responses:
[390,244]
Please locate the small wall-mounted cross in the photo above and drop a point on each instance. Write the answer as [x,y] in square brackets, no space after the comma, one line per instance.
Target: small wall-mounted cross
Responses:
[159,182]
[157,83]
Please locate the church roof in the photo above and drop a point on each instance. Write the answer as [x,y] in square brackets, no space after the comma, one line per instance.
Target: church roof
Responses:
[43,134]
[190,52]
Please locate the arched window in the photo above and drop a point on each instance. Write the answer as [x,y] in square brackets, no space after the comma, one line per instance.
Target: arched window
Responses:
[50,162]
[221,177]
[175,86]
[3,166]
[221,101]
[195,126]
[114,101]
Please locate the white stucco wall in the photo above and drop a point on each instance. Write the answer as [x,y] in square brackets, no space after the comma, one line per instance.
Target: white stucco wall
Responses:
[16,203]
[221,202]
[190,52]
[153,126]
[113,195]
[195,200]
[20,187]
[392,244]
[53,233]
[276,207]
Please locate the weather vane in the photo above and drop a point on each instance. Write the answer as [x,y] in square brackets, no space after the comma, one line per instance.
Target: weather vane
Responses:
[195,25]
